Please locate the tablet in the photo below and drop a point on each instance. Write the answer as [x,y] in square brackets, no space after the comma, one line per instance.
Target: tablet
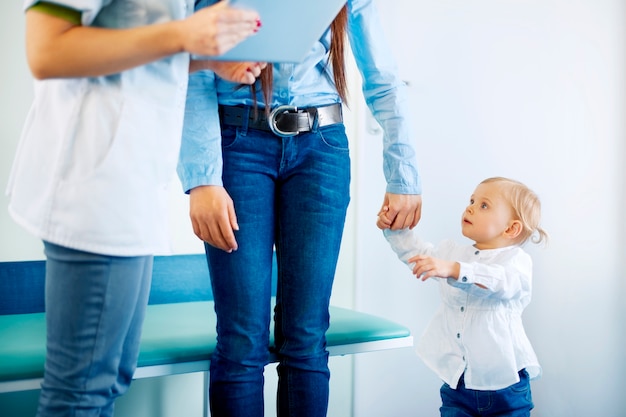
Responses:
[289,29]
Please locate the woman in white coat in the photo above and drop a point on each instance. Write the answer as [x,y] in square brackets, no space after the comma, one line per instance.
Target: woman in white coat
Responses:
[99,144]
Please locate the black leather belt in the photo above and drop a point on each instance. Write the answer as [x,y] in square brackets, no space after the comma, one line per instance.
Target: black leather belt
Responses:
[283,120]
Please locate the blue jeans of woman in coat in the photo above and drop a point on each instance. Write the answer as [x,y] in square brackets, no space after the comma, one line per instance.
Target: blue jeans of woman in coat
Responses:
[95,307]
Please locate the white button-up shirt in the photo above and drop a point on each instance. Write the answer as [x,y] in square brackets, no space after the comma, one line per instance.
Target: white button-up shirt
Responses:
[96,153]
[476,331]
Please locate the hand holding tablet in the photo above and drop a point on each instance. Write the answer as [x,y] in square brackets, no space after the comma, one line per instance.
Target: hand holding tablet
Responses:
[289,29]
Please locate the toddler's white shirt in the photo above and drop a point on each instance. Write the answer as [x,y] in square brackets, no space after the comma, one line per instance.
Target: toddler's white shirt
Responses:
[476,331]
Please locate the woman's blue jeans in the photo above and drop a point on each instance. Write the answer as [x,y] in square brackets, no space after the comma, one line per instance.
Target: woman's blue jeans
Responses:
[95,306]
[513,401]
[291,193]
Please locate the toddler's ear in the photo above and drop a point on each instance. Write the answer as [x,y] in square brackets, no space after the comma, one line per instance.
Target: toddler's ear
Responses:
[514,229]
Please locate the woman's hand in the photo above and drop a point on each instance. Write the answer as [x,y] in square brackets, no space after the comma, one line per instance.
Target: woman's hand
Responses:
[213,216]
[400,211]
[238,72]
[215,29]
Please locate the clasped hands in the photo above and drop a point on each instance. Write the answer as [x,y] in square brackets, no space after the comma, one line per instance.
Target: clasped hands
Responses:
[401,211]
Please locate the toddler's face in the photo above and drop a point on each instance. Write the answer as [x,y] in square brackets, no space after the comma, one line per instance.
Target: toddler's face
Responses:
[487,216]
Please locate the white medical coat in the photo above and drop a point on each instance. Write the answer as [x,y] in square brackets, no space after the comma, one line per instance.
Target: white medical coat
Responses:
[96,153]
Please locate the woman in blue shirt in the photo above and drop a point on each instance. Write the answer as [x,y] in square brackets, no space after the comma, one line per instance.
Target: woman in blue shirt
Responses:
[97,150]
[276,174]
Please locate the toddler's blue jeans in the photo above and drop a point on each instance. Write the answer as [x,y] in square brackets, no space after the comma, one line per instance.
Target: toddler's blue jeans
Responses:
[512,401]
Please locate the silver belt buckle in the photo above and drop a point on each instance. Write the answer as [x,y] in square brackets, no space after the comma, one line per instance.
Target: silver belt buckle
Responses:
[272,120]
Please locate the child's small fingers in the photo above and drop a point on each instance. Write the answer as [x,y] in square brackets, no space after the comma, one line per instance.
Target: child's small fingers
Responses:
[381,223]
[382,219]
[417,259]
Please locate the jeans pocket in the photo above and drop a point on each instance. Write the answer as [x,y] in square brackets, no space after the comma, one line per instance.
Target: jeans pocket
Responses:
[334,136]
[523,385]
[230,135]
[518,396]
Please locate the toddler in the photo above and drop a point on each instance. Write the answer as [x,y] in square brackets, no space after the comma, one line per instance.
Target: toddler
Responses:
[476,342]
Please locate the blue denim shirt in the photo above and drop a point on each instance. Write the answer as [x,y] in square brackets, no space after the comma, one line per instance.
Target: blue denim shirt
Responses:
[307,84]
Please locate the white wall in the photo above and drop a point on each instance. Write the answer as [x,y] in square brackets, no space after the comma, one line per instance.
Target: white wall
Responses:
[15,97]
[533,90]
[529,89]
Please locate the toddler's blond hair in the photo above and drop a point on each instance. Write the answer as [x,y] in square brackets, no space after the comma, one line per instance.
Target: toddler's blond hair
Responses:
[526,207]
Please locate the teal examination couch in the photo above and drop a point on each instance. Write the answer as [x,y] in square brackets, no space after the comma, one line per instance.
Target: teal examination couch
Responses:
[179,328]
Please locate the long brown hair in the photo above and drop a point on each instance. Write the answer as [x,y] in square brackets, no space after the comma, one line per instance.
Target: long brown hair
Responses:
[338,37]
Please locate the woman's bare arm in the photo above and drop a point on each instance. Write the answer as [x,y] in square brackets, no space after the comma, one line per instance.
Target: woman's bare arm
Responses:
[57,48]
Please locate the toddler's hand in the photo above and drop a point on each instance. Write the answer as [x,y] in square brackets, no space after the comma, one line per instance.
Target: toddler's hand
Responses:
[383,222]
[428,267]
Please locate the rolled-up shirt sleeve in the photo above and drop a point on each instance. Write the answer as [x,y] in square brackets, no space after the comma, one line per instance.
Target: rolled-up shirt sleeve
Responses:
[506,279]
[385,95]
[200,159]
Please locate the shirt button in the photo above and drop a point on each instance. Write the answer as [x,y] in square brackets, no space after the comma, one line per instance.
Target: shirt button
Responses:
[458,335]
[464,279]
[477,252]
[462,309]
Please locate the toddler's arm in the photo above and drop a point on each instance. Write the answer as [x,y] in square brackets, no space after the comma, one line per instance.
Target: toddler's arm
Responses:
[508,277]
[406,244]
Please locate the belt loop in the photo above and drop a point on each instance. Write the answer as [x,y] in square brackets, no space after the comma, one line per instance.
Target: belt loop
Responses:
[245,120]
[316,120]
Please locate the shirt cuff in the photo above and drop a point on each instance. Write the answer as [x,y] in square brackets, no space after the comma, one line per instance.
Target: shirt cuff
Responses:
[466,274]
[196,176]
